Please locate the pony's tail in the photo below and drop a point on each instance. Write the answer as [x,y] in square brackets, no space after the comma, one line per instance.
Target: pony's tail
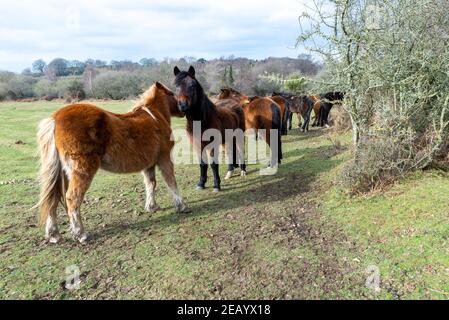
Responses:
[241,116]
[50,175]
[285,118]
[276,122]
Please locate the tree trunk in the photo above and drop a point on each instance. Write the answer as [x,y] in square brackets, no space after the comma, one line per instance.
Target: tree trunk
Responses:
[355,132]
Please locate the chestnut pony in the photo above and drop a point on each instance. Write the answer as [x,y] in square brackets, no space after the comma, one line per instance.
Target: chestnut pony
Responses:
[284,105]
[193,101]
[232,94]
[285,112]
[264,113]
[79,139]
[260,113]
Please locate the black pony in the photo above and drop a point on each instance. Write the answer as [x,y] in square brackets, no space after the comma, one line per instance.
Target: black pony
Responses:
[194,103]
[328,100]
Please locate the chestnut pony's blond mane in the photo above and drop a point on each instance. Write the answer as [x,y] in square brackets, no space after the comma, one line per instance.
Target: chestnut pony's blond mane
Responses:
[149,96]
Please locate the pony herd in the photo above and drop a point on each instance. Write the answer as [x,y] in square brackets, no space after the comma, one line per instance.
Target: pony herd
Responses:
[79,139]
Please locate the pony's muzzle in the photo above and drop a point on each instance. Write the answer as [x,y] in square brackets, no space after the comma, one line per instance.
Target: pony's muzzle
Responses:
[183,106]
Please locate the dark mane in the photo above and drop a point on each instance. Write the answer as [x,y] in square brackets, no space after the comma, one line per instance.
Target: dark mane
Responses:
[203,110]
[180,77]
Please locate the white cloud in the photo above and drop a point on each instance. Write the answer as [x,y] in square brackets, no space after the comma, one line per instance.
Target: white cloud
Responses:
[117,29]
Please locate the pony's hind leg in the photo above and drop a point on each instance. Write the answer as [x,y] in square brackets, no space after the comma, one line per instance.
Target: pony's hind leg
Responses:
[305,125]
[168,173]
[231,151]
[240,157]
[299,120]
[290,120]
[280,155]
[51,225]
[149,176]
[52,234]
[79,182]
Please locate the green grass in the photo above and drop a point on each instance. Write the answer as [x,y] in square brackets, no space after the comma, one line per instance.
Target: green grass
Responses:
[293,235]
[404,232]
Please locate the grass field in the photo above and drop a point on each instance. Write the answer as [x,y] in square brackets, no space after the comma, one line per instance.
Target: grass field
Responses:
[293,235]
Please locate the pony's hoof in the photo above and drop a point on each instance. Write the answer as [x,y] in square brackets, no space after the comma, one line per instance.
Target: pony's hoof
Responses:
[152,209]
[229,175]
[216,190]
[184,209]
[270,171]
[83,238]
[243,173]
[54,239]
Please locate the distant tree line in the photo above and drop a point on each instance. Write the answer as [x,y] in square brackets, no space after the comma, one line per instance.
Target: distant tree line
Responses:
[73,79]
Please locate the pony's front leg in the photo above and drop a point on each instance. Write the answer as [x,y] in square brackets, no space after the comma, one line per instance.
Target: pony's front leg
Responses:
[217,180]
[149,178]
[203,176]
[168,173]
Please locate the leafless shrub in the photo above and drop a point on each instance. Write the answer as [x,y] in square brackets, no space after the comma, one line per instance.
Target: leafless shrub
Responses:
[382,159]
[340,119]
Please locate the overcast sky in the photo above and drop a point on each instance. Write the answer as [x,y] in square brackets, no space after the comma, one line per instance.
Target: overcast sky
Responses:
[133,29]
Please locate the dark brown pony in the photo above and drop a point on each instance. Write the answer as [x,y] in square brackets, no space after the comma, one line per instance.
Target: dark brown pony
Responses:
[79,139]
[302,106]
[197,107]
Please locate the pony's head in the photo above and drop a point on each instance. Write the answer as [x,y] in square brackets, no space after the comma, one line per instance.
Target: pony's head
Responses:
[188,89]
[295,101]
[229,93]
[339,96]
[159,95]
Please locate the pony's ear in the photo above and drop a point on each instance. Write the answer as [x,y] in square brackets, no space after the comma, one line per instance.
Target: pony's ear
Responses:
[176,71]
[192,72]
[162,87]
